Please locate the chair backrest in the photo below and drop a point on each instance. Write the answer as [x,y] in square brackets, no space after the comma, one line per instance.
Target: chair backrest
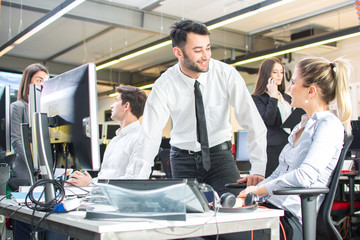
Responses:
[325,229]
[164,157]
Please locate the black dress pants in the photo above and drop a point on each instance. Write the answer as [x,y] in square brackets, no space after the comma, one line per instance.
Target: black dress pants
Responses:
[223,169]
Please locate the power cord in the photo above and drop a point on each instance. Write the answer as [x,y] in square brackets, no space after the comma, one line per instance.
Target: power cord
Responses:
[40,205]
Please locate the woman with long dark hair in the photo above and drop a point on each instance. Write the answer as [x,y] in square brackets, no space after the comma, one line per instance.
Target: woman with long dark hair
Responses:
[274,107]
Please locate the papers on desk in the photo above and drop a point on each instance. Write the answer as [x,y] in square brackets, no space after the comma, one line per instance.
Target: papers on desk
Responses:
[348,165]
[20,196]
[69,191]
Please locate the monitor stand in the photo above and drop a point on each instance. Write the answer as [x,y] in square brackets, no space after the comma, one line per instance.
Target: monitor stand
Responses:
[42,145]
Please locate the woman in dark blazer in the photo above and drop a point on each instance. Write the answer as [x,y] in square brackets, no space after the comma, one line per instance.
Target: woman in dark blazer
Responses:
[274,107]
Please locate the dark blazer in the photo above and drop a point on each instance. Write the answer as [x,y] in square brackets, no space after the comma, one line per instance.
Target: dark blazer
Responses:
[270,113]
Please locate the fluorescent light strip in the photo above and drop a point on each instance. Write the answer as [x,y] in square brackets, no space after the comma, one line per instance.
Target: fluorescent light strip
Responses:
[7,49]
[248,14]
[255,59]
[50,20]
[36,27]
[146,50]
[108,64]
[135,54]
[146,86]
[114,94]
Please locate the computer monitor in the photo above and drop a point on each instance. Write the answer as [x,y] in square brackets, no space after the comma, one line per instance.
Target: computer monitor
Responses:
[70,102]
[5,143]
[241,151]
[100,131]
[355,145]
[111,130]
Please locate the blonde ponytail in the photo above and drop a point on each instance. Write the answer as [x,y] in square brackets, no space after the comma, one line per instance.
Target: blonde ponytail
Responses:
[342,70]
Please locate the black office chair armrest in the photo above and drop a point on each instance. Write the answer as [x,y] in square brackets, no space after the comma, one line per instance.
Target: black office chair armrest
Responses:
[308,207]
[235,185]
[302,191]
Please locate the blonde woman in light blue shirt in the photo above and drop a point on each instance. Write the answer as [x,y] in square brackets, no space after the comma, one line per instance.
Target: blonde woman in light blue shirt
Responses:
[311,155]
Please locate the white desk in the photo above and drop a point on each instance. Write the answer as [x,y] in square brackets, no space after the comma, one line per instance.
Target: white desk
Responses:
[197,224]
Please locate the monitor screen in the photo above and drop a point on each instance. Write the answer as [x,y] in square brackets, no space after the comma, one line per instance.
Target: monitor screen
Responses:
[111,130]
[355,145]
[100,131]
[241,151]
[71,97]
[5,144]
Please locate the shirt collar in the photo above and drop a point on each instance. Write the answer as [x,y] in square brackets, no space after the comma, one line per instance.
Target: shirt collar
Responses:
[307,122]
[202,79]
[127,129]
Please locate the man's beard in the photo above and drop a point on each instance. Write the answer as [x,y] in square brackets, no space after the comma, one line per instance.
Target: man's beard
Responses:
[192,65]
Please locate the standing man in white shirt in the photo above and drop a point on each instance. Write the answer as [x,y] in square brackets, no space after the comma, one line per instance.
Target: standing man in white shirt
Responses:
[173,94]
[119,157]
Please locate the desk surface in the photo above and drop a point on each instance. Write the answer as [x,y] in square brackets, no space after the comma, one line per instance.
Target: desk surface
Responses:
[196,224]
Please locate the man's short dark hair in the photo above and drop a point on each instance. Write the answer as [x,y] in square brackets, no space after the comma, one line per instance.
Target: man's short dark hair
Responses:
[180,29]
[135,96]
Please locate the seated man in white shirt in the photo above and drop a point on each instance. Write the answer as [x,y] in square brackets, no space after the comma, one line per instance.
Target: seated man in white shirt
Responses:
[119,157]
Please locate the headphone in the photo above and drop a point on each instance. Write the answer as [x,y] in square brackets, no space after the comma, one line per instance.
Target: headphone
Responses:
[228,200]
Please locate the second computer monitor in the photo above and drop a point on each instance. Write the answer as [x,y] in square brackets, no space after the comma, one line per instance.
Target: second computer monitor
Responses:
[111,130]
[241,151]
[5,119]
[72,97]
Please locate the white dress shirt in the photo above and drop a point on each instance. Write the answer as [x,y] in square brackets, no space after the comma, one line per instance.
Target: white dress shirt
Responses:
[222,86]
[119,157]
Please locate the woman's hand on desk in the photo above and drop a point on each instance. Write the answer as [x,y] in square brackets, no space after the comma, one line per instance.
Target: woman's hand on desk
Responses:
[251,180]
[80,179]
[258,190]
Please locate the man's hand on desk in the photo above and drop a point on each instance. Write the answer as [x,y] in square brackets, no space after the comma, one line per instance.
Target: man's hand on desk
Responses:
[79,179]
[251,180]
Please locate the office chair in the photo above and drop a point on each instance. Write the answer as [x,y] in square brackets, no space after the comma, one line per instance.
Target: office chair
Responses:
[308,203]
[344,209]
[164,157]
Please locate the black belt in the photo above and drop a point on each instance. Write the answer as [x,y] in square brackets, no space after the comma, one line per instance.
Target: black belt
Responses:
[220,147]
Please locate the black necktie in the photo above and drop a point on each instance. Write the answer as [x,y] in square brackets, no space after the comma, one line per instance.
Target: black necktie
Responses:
[201,127]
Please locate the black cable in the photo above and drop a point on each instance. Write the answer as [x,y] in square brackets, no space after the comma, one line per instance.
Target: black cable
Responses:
[35,228]
[5,197]
[38,204]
